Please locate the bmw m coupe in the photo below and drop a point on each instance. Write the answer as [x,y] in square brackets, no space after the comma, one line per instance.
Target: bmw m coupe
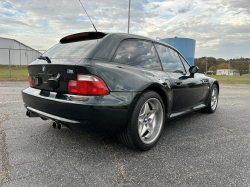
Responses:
[118,83]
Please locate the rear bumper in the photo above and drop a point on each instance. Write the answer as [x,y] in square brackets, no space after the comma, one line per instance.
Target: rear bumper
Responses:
[105,114]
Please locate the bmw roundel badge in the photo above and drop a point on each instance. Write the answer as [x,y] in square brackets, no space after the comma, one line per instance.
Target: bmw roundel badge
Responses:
[43,69]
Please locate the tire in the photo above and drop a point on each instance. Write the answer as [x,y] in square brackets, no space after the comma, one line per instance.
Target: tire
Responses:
[213,100]
[146,123]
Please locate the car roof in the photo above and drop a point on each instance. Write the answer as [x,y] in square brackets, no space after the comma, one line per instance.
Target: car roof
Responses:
[135,36]
[108,44]
[124,36]
[98,35]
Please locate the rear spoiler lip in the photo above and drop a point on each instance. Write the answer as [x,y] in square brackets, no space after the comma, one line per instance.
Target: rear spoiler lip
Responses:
[82,36]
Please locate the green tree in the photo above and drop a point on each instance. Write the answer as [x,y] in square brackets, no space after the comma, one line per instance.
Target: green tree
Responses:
[212,68]
[211,58]
[221,59]
[223,66]
[201,64]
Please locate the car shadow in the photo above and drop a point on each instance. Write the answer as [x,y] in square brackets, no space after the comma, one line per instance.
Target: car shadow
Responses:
[110,142]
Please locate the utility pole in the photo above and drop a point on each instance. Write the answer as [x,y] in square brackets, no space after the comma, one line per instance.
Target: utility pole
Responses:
[129,16]
[9,64]
[20,54]
[26,54]
[228,70]
[249,70]
[206,65]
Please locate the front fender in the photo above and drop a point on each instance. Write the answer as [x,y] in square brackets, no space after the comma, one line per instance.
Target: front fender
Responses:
[212,81]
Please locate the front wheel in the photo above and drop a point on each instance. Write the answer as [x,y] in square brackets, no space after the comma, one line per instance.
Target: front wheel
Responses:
[146,122]
[213,100]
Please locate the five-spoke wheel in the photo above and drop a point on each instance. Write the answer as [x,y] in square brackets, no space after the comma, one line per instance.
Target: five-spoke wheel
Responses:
[214,99]
[146,122]
[150,120]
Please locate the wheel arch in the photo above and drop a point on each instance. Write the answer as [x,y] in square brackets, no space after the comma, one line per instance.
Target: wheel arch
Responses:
[162,93]
[217,84]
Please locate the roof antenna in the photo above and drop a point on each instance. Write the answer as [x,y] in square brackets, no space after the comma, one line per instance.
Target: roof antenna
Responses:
[87,15]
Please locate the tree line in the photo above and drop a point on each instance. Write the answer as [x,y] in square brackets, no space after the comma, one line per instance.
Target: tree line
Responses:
[241,65]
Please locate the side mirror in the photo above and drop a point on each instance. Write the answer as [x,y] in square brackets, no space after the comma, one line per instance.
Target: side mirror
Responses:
[193,70]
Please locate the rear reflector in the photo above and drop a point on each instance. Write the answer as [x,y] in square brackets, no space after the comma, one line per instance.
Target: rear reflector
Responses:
[30,81]
[87,85]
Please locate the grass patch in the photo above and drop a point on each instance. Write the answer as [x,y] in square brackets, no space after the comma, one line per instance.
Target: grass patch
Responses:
[232,79]
[18,73]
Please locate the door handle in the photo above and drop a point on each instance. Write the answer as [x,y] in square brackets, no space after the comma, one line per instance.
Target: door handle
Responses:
[178,81]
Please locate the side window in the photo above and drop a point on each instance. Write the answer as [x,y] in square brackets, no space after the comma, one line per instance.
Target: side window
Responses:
[138,53]
[186,65]
[170,59]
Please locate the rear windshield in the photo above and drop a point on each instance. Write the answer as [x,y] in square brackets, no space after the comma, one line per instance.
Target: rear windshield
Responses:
[71,50]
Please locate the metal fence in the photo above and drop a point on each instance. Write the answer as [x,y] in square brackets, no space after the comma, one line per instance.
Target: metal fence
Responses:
[240,70]
[17,57]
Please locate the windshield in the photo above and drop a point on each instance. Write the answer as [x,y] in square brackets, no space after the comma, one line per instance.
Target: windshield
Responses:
[71,50]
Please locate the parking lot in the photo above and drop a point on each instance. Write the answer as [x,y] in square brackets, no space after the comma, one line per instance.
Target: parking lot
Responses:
[195,150]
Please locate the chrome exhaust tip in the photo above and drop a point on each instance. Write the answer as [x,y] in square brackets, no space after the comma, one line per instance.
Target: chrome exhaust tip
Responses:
[61,126]
[31,114]
[55,125]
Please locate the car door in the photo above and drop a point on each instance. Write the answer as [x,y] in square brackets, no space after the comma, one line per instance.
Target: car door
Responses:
[187,90]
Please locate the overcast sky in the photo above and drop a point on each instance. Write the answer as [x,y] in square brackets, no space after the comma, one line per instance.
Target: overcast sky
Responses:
[221,28]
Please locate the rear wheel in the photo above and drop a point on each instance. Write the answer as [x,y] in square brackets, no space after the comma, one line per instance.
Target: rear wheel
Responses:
[146,122]
[213,100]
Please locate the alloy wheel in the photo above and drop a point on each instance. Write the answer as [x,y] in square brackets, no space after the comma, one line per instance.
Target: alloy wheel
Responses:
[214,99]
[150,120]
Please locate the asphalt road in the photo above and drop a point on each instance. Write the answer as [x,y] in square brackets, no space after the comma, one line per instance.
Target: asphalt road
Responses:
[195,150]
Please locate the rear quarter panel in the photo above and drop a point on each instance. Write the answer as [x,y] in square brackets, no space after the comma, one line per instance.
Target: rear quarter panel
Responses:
[119,77]
[124,78]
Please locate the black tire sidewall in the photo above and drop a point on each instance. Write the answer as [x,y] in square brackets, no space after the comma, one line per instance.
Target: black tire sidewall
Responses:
[134,121]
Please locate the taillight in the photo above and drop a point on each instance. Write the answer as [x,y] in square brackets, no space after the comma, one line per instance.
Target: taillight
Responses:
[87,85]
[30,81]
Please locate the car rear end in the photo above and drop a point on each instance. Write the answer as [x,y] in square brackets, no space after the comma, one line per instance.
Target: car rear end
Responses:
[71,94]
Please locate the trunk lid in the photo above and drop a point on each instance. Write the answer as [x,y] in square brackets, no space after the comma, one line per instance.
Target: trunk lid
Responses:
[54,76]
[56,67]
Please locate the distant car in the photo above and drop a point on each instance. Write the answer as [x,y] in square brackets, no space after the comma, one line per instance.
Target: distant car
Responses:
[211,72]
[116,83]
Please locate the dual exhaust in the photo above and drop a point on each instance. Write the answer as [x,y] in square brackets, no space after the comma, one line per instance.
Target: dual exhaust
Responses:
[59,126]
[55,125]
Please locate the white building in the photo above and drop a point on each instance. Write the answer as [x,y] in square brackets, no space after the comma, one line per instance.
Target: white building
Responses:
[225,72]
[16,53]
